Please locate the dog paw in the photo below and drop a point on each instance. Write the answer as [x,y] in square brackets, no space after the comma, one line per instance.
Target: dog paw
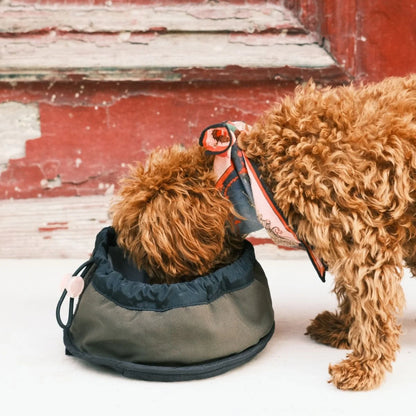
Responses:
[329,329]
[357,374]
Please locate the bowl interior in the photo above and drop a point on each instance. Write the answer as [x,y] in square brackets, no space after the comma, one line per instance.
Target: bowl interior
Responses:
[123,264]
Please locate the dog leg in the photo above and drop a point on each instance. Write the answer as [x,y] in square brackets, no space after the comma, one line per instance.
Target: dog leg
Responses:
[333,328]
[330,329]
[375,297]
[410,257]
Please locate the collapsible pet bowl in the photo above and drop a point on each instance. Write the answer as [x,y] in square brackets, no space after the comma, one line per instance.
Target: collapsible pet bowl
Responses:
[163,332]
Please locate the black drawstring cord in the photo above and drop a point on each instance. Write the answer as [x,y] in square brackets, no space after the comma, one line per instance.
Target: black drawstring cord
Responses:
[70,311]
[85,266]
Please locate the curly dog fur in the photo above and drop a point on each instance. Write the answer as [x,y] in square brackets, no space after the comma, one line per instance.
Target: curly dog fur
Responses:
[172,220]
[341,164]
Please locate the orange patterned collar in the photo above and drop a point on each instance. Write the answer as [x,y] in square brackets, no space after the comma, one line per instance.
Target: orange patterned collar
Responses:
[239,181]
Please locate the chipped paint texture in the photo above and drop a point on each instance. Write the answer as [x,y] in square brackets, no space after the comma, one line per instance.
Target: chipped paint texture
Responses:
[112,80]
[18,123]
[188,16]
[88,87]
[155,41]
[370,39]
[168,51]
[92,132]
[217,61]
[66,227]
[52,227]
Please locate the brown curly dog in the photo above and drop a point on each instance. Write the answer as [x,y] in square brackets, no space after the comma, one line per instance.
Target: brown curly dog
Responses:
[341,164]
[171,219]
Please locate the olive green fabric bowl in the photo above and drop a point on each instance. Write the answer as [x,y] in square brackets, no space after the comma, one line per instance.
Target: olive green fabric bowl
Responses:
[171,332]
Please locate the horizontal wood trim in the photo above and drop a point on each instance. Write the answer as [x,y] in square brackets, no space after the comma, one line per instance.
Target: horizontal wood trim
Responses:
[67,42]
[52,227]
[187,17]
[164,57]
[66,227]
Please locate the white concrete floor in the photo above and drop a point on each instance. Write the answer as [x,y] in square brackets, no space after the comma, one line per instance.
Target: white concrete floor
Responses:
[288,378]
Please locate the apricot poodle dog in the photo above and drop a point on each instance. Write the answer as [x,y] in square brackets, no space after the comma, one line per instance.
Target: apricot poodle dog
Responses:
[171,219]
[341,166]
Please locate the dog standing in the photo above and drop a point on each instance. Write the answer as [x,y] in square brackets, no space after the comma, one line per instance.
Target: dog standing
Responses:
[341,166]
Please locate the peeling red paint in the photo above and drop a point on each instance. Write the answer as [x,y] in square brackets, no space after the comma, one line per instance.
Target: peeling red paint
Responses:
[53,226]
[386,38]
[370,39]
[328,75]
[92,131]
[50,229]
[117,2]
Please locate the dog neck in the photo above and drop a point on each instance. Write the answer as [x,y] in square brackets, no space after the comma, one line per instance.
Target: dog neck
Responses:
[239,181]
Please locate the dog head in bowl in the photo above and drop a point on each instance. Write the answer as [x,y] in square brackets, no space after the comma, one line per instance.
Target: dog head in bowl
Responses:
[171,218]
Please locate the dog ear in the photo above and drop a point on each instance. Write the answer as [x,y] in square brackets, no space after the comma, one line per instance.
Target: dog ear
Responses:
[172,220]
[127,211]
[136,191]
[183,230]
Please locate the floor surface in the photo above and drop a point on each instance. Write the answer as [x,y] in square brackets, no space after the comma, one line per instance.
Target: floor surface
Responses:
[288,378]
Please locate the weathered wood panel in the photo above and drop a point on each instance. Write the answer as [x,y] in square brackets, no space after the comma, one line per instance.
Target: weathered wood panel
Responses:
[90,132]
[370,39]
[127,17]
[52,227]
[81,98]
[161,57]
[66,227]
[182,42]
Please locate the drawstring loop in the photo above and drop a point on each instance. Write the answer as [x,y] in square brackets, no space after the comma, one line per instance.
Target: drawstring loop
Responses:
[72,286]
